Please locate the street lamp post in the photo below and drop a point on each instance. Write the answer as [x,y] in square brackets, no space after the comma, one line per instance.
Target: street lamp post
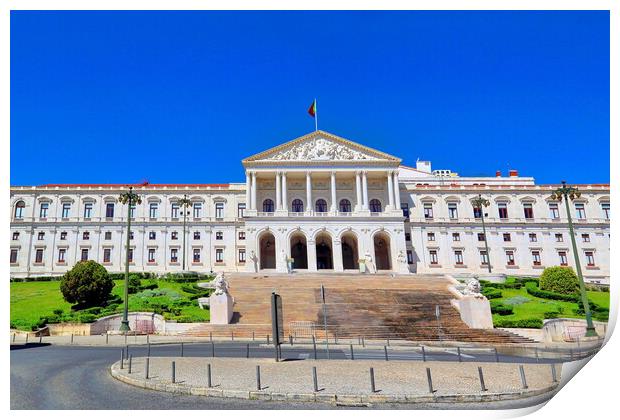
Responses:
[130,198]
[184,203]
[571,193]
[479,203]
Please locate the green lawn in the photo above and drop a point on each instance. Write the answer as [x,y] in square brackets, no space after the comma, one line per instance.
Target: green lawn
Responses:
[33,300]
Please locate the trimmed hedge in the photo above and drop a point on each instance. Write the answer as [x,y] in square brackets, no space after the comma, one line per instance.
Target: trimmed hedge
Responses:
[544,294]
[490,293]
[501,309]
[518,323]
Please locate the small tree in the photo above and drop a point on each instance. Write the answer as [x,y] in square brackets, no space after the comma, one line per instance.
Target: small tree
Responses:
[86,284]
[560,280]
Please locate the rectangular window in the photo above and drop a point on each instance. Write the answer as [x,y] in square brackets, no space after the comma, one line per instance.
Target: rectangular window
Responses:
[63,236]
[152,236]
[480,237]
[84,254]
[458,257]
[174,211]
[506,237]
[554,211]
[219,210]
[153,210]
[477,212]
[580,210]
[559,237]
[43,211]
[219,255]
[242,236]
[41,236]
[174,255]
[428,211]
[13,256]
[452,211]
[590,258]
[130,255]
[585,237]
[108,236]
[107,253]
[407,236]
[528,211]
[510,258]
[430,236]
[405,208]
[109,210]
[61,255]
[38,256]
[219,236]
[86,236]
[88,210]
[563,258]
[197,210]
[15,236]
[151,255]
[433,256]
[174,235]
[196,255]
[484,258]
[536,257]
[456,237]
[409,256]
[66,209]
[196,235]
[605,207]
[240,210]
[503,210]
[533,237]
[242,255]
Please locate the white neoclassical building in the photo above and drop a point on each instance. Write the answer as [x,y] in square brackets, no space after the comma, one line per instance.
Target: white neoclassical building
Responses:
[319,202]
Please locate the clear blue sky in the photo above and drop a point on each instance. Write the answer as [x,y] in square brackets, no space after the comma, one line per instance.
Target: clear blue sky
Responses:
[175,97]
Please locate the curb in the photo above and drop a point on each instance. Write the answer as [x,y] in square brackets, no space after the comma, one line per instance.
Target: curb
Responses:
[344,399]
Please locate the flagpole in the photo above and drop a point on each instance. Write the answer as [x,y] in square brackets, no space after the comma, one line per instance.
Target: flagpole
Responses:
[316,116]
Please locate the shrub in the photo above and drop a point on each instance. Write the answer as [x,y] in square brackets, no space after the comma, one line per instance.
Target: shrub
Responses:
[134,283]
[492,293]
[552,314]
[86,284]
[559,280]
[501,309]
[543,294]
[518,323]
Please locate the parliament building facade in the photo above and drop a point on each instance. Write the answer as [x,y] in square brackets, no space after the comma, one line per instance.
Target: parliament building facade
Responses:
[319,202]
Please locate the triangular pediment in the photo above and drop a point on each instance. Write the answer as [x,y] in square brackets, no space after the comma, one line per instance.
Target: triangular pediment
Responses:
[320,146]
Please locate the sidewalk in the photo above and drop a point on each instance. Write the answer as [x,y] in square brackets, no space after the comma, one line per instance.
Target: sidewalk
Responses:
[340,381]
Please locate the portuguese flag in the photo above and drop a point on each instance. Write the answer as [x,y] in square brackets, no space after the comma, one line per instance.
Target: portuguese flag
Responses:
[312,109]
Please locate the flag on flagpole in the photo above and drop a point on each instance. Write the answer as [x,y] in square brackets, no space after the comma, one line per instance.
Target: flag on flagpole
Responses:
[312,112]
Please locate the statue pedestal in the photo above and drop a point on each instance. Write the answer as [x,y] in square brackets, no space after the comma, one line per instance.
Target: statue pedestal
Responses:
[221,307]
[476,312]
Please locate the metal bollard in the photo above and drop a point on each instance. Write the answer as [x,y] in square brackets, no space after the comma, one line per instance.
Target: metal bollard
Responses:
[571,354]
[211,336]
[481,376]
[252,335]
[127,351]
[209,375]
[496,355]
[125,338]
[174,372]
[363,343]
[335,337]
[122,357]
[314,347]
[148,350]
[290,339]
[352,355]
[267,339]
[232,336]
[523,381]
[181,349]
[430,380]
[135,337]
[247,351]
[212,349]
[372,381]
[359,340]
[148,339]
[258,387]
[423,354]
[129,367]
[536,353]
[40,338]
[388,342]
[315,380]
[71,338]
[385,352]
[147,364]
[458,350]
[13,337]
[27,338]
[554,375]
[107,337]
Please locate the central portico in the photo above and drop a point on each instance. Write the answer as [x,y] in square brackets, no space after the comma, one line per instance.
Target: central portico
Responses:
[325,202]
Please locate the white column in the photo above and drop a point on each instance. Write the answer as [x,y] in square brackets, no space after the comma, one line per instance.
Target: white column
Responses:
[390,184]
[308,191]
[396,190]
[284,195]
[337,255]
[358,191]
[248,190]
[333,191]
[253,204]
[278,192]
[364,190]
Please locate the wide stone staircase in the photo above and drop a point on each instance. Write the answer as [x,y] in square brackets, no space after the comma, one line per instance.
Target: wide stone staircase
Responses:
[368,306]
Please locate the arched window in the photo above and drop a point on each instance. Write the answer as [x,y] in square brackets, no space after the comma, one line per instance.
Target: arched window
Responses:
[268,205]
[345,206]
[321,206]
[297,205]
[375,205]
[19,210]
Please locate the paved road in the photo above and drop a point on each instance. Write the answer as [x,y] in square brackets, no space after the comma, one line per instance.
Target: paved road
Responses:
[63,377]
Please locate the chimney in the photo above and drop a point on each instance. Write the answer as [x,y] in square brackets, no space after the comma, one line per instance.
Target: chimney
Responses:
[498,174]
[513,172]
[423,165]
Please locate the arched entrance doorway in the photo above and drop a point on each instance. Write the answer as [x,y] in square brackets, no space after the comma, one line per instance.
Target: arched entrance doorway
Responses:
[383,256]
[267,251]
[350,254]
[299,251]
[324,256]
